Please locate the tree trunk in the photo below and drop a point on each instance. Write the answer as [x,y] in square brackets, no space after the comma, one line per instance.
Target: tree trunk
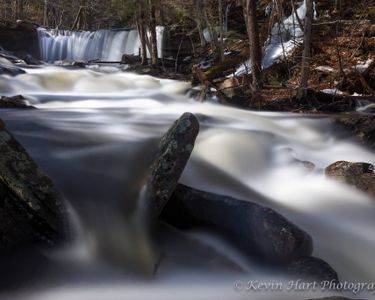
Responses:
[305,68]
[45,14]
[199,21]
[141,20]
[221,22]
[255,48]
[19,9]
[154,42]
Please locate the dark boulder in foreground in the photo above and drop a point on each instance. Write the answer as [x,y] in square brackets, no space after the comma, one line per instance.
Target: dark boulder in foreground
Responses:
[14,102]
[172,155]
[257,230]
[312,268]
[361,175]
[31,210]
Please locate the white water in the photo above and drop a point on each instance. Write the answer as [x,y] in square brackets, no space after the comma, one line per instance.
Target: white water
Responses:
[94,134]
[104,45]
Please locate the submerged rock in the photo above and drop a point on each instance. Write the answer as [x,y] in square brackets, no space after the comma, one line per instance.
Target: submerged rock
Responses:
[172,155]
[361,175]
[31,210]
[312,268]
[14,102]
[258,230]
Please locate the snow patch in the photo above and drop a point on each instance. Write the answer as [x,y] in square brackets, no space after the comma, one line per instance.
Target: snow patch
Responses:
[285,37]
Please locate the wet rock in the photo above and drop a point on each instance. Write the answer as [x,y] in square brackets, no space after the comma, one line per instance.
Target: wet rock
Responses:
[20,36]
[362,127]
[172,155]
[31,210]
[14,102]
[312,268]
[7,68]
[361,175]
[130,59]
[257,230]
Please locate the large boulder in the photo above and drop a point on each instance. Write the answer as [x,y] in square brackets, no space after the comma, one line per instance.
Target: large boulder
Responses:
[359,174]
[20,36]
[171,157]
[31,210]
[259,231]
[312,269]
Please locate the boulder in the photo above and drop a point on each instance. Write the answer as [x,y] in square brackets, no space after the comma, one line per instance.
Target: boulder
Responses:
[171,157]
[312,268]
[363,127]
[14,102]
[7,68]
[259,231]
[129,59]
[21,36]
[361,175]
[31,210]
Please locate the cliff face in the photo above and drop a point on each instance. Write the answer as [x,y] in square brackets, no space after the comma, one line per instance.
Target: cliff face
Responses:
[20,37]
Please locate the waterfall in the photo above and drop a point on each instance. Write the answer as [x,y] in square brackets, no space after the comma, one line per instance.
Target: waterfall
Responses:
[104,45]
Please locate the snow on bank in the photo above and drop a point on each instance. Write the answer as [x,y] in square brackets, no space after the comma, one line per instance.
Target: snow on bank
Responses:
[285,37]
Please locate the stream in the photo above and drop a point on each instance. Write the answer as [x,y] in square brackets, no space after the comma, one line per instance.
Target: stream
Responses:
[94,133]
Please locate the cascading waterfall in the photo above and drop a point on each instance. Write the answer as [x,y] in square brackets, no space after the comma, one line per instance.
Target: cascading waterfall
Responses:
[104,45]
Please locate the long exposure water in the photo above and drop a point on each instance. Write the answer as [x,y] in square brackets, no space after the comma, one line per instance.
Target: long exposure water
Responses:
[94,133]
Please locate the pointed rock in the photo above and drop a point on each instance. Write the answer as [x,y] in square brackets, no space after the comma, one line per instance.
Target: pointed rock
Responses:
[170,160]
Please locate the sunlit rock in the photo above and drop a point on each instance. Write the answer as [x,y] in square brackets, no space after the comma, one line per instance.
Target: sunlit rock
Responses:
[361,175]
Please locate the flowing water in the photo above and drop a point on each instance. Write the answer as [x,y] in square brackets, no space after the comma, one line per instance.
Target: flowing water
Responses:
[94,133]
[103,45]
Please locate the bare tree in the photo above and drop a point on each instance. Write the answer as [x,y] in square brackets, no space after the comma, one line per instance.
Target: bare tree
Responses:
[152,28]
[254,40]
[305,68]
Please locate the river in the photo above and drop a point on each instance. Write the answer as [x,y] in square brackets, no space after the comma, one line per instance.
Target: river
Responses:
[94,133]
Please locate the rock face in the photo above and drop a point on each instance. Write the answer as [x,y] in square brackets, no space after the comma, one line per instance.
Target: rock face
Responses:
[258,230]
[361,175]
[172,155]
[31,210]
[312,268]
[20,36]
[14,102]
